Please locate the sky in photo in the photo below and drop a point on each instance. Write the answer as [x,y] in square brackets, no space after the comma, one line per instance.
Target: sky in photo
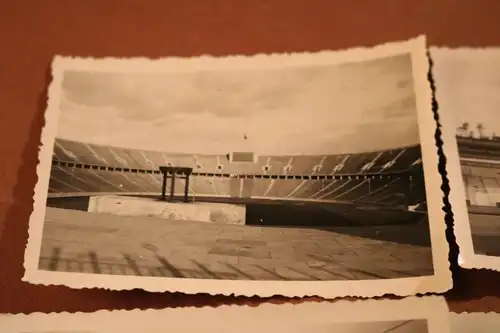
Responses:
[468,86]
[324,109]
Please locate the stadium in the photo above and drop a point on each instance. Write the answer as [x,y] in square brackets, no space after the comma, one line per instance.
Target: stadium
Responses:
[243,172]
[480,162]
[236,216]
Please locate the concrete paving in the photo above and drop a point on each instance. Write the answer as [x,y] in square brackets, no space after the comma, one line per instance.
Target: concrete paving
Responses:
[77,241]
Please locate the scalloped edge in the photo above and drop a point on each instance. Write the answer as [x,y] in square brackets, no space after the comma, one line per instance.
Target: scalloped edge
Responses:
[439,282]
[467,257]
[307,316]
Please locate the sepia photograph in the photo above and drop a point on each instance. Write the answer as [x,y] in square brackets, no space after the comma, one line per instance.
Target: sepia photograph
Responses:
[479,322]
[233,175]
[410,315]
[468,82]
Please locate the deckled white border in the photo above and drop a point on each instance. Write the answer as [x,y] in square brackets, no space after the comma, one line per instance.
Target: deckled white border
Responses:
[457,197]
[439,282]
[475,322]
[275,318]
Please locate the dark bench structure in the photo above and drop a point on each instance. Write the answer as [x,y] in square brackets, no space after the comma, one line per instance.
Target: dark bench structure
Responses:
[173,173]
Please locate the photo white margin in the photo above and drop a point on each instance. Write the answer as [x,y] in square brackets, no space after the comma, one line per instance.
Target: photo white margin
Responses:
[457,197]
[267,317]
[441,281]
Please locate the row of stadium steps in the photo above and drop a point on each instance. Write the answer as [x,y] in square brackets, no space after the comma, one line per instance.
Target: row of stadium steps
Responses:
[482,188]
[363,191]
[482,185]
[386,161]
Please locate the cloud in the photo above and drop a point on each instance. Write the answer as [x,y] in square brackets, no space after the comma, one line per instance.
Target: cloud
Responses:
[402,108]
[299,109]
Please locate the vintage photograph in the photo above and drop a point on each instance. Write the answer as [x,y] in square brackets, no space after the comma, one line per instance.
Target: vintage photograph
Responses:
[410,315]
[468,82]
[233,174]
[479,322]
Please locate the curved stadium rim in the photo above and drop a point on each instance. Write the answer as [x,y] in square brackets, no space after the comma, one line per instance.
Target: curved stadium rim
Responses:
[95,167]
[386,175]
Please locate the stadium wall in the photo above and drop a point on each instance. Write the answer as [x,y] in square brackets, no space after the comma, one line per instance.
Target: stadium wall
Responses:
[480,162]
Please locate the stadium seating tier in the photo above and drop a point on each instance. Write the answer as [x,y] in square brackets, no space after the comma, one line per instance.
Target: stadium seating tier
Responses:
[386,190]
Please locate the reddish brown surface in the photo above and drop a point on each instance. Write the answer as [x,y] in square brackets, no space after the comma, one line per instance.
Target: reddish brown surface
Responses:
[31,32]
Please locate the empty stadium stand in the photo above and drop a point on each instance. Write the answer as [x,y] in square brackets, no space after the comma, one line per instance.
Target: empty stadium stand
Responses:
[392,177]
[480,163]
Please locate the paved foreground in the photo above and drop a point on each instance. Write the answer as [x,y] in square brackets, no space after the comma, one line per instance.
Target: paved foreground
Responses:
[76,241]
